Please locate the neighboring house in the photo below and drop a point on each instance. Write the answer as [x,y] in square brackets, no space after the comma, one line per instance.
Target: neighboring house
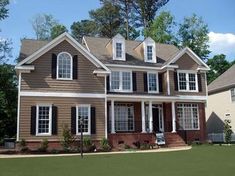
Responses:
[126,91]
[221,102]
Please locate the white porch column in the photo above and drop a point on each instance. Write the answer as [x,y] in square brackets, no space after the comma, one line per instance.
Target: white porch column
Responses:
[173,117]
[112,117]
[143,117]
[150,117]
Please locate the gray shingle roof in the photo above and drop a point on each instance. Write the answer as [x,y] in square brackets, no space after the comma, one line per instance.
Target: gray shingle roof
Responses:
[224,81]
[29,46]
[98,48]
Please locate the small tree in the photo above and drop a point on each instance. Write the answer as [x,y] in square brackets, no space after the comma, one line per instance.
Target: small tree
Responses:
[228,131]
[68,138]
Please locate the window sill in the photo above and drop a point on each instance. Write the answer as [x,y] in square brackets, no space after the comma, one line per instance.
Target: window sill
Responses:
[43,135]
[188,91]
[64,79]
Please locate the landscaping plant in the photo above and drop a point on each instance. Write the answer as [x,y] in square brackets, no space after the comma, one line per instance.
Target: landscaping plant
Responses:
[227,131]
[104,145]
[44,146]
[68,139]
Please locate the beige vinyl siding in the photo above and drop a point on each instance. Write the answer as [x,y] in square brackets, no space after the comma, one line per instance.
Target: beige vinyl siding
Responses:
[218,105]
[186,63]
[40,79]
[64,115]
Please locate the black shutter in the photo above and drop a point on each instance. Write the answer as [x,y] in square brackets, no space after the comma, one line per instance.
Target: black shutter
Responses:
[160,82]
[73,120]
[176,80]
[75,67]
[33,120]
[54,120]
[145,82]
[93,120]
[134,81]
[199,79]
[107,83]
[53,66]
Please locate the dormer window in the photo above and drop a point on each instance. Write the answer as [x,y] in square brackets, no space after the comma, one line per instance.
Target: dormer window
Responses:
[118,46]
[149,50]
[118,50]
[149,53]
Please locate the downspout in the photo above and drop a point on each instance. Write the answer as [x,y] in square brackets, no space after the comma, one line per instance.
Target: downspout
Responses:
[18,109]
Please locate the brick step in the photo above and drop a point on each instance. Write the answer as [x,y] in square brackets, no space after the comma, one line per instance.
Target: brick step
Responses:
[174,140]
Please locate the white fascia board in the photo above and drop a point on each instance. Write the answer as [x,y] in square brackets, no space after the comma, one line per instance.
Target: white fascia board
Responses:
[155,98]
[60,94]
[25,67]
[132,67]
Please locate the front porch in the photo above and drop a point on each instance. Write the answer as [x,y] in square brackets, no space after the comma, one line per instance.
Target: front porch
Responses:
[132,122]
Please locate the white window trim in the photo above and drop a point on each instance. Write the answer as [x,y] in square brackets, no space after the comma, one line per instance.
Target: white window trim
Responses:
[71,67]
[231,98]
[122,41]
[191,129]
[157,82]
[150,43]
[50,119]
[187,72]
[89,119]
[120,81]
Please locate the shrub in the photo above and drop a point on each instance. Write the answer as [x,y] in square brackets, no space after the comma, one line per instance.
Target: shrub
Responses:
[127,146]
[68,138]
[144,146]
[23,146]
[137,144]
[44,146]
[104,145]
[87,144]
[55,151]
[228,131]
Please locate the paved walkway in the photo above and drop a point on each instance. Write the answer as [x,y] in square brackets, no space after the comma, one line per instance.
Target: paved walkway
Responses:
[100,153]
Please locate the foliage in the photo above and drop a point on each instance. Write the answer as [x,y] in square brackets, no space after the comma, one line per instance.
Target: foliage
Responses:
[107,19]
[68,138]
[5,50]
[104,145]
[44,146]
[8,101]
[42,25]
[145,11]
[144,146]
[218,65]
[83,28]
[193,33]
[161,29]
[228,131]
[3,9]
[23,146]
[57,30]
[87,144]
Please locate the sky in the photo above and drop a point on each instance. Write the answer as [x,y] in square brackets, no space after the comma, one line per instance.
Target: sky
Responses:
[219,15]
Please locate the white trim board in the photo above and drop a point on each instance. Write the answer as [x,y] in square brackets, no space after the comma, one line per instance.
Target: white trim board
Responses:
[60,94]
[65,36]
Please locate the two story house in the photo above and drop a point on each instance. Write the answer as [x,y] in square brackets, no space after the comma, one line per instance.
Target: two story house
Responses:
[126,91]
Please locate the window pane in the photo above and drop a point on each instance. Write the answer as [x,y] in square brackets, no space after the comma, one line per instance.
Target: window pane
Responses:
[115,80]
[64,65]
[152,82]
[188,116]
[233,94]
[83,115]
[119,50]
[124,117]
[43,119]
[192,81]
[182,81]
[126,80]
[149,52]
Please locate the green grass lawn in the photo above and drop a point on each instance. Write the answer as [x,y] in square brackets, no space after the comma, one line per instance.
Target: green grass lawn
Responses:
[199,161]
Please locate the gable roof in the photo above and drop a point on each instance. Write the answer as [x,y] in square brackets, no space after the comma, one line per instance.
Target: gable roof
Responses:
[49,45]
[187,50]
[223,82]
[97,46]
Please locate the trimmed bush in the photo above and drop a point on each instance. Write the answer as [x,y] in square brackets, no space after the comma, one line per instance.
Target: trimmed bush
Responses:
[104,145]
[44,146]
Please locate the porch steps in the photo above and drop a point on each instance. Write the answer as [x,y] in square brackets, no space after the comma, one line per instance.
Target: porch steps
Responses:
[174,140]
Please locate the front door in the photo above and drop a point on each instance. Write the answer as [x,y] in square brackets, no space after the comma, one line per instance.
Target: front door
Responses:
[158,124]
